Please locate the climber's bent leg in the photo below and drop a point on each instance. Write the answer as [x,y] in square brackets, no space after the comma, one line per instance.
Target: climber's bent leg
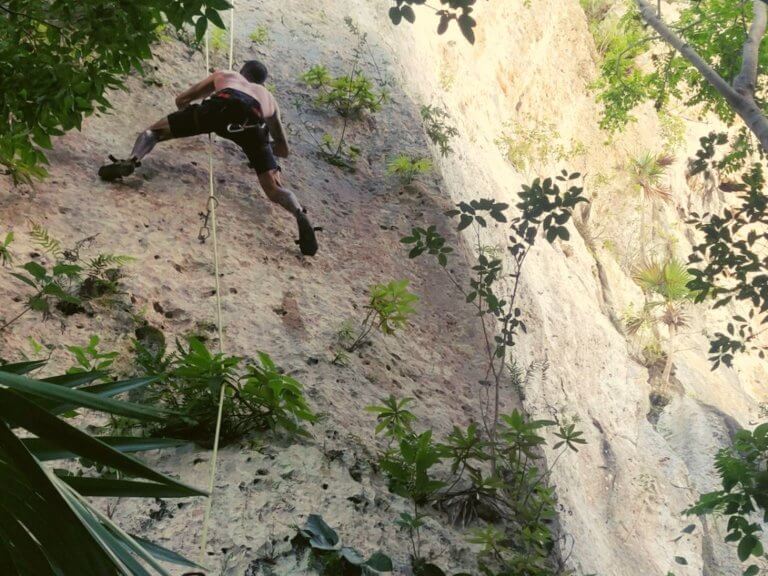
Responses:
[277,193]
[145,142]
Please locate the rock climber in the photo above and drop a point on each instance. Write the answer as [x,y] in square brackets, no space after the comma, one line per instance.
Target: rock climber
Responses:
[236,106]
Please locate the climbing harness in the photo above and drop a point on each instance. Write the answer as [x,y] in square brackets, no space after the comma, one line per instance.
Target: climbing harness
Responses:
[211,205]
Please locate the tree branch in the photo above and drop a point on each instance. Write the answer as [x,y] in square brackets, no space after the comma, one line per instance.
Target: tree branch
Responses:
[743,105]
[28,17]
[746,81]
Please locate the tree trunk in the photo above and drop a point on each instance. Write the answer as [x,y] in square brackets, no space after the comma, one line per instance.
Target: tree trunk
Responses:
[741,100]
[670,352]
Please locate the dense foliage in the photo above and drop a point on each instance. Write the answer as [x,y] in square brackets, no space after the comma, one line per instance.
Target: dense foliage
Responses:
[744,495]
[510,508]
[715,29]
[47,524]
[59,59]
[188,382]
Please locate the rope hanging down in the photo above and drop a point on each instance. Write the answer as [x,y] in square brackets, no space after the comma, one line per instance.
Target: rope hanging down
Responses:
[211,205]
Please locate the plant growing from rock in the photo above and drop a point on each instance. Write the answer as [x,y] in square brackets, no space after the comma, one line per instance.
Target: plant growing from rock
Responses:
[515,499]
[70,281]
[545,208]
[393,417]
[258,396]
[438,129]
[317,76]
[90,359]
[407,168]
[330,558]
[389,308]
[260,36]
[667,285]
[6,258]
[647,171]
[531,145]
[351,96]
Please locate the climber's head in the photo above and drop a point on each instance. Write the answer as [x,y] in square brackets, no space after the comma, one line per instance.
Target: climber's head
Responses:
[254,71]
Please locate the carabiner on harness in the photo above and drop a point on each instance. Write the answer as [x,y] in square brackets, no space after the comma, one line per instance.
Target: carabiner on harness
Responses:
[238,128]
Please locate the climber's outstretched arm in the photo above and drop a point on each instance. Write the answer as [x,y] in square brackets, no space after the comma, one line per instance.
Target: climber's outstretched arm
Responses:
[277,131]
[197,91]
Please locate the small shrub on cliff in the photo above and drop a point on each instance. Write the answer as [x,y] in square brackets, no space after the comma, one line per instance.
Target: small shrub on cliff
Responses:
[516,500]
[406,168]
[545,207]
[69,280]
[260,36]
[389,309]
[317,76]
[497,468]
[257,396]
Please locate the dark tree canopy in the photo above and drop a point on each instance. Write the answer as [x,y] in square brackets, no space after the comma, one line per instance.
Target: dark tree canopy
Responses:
[59,58]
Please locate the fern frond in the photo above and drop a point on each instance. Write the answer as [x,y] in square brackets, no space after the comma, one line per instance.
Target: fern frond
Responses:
[44,240]
[103,261]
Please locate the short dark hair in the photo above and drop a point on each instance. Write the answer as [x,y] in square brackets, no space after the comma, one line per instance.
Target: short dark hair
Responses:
[254,71]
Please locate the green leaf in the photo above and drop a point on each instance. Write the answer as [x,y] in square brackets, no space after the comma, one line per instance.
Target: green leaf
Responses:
[200,28]
[44,450]
[21,368]
[103,487]
[58,433]
[215,18]
[91,558]
[380,562]
[320,535]
[164,554]
[81,399]
[35,269]
[107,390]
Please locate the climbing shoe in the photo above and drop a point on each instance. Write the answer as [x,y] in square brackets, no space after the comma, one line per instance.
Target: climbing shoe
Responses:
[307,241]
[118,168]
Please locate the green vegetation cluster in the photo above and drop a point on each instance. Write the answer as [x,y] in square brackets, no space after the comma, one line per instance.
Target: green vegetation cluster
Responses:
[61,59]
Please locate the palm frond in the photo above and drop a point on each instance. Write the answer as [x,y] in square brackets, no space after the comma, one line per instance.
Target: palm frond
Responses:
[668,279]
[647,172]
[47,526]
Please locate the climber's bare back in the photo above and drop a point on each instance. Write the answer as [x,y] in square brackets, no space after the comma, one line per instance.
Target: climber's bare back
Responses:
[236,81]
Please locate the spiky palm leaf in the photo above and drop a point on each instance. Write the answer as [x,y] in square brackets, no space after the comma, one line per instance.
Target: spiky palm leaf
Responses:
[647,172]
[668,279]
[46,524]
[674,316]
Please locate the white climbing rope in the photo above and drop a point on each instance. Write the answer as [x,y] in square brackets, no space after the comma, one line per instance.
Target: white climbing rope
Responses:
[212,203]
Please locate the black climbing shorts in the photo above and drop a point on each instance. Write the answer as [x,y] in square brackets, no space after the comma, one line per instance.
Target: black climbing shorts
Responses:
[215,114]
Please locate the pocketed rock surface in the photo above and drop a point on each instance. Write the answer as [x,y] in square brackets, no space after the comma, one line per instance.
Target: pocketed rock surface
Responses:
[620,498]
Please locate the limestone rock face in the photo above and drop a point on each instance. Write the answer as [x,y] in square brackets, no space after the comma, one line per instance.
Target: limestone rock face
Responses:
[621,497]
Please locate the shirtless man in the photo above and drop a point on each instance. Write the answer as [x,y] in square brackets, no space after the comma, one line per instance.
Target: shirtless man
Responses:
[238,107]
